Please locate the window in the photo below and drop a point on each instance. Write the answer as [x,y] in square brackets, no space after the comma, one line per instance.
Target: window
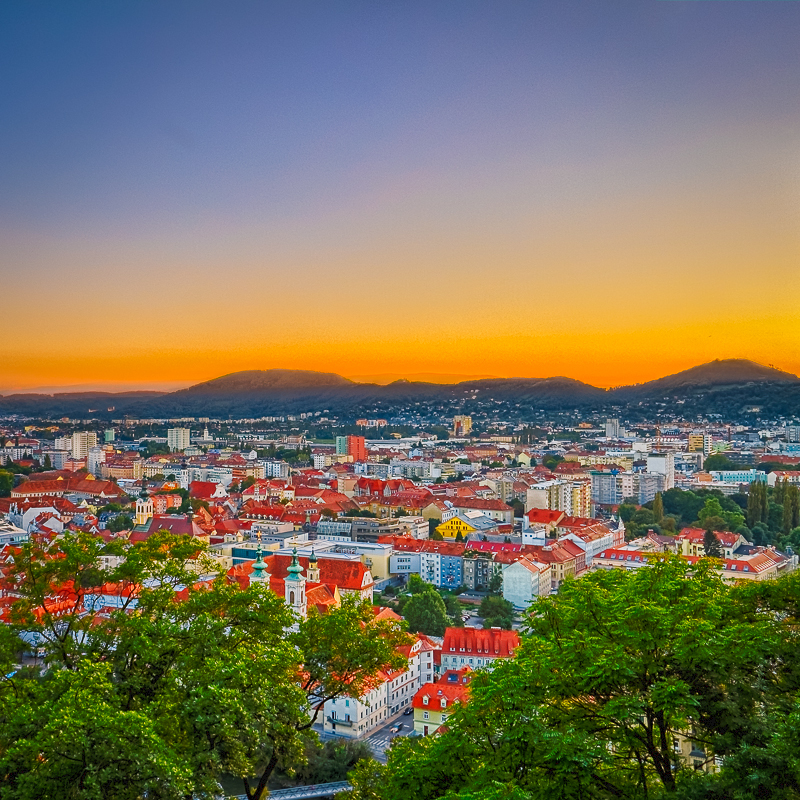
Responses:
[444,718]
[425,715]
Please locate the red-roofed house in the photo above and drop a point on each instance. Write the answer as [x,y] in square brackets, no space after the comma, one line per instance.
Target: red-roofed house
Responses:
[477,648]
[434,703]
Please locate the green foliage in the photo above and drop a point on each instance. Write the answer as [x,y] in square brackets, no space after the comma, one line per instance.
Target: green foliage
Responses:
[6,483]
[454,610]
[161,702]
[658,508]
[626,512]
[426,612]
[326,763]
[712,516]
[122,522]
[757,503]
[608,672]
[719,461]
[496,583]
[153,448]
[552,461]
[496,612]
[711,545]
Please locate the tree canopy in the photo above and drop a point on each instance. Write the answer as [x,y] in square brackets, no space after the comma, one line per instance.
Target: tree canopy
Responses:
[154,684]
[611,675]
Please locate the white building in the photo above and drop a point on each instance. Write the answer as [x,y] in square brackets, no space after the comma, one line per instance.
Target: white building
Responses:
[81,443]
[95,457]
[178,439]
[524,581]
[663,464]
[358,717]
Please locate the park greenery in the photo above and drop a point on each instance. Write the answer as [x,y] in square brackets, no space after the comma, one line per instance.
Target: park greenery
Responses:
[611,675]
[765,515]
[170,684]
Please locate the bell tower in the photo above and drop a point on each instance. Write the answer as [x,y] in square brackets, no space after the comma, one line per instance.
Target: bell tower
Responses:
[312,574]
[295,587]
[260,573]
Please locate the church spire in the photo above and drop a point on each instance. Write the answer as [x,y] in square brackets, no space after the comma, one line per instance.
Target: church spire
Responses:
[259,574]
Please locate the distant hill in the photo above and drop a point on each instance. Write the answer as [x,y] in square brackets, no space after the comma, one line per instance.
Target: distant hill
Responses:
[725,387]
[265,380]
[722,372]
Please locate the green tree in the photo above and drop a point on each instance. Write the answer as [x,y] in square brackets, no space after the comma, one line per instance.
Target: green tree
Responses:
[712,516]
[552,461]
[496,612]
[658,508]
[756,505]
[188,690]
[608,672]
[711,545]
[426,612]
[122,522]
[791,508]
[454,610]
[6,483]
[496,582]
[48,464]
[719,461]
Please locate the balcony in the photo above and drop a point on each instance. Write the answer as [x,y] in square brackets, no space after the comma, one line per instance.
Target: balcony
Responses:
[348,723]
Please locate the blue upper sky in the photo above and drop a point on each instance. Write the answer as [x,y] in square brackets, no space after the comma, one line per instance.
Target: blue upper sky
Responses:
[445,141]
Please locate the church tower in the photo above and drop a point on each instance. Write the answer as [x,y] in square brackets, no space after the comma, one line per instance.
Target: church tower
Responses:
[260,573]
[295,587]
[144,511]
[312,574]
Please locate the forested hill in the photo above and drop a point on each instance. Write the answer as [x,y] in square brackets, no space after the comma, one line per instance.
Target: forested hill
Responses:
[727,387]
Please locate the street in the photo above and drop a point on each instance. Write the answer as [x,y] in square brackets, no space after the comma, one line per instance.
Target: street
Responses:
[380,739]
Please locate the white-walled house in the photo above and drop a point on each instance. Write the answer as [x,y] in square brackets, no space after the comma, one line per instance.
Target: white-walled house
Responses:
[524,580]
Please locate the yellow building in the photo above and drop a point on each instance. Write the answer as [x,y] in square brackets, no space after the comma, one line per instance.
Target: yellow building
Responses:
[433,703]
[454,526]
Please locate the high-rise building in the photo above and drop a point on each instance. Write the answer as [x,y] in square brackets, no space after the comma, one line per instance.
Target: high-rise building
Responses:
[95,457]
[700,443]
[109,435]
[663,464]
[462,425]
[357,448]
[82,441]
[178,439]
[341,446]
[612,428]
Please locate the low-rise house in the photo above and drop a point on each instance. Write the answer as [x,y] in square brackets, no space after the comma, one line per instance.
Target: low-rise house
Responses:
[433,704]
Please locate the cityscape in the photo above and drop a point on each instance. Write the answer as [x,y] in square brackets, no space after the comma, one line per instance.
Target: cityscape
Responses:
[400,401]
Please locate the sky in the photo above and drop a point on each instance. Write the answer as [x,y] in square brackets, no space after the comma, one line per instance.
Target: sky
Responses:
[603,189]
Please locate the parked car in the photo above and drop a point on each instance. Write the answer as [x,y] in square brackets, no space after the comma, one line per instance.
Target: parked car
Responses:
[408,711]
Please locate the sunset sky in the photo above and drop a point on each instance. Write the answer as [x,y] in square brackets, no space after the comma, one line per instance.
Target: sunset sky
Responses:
[608,190]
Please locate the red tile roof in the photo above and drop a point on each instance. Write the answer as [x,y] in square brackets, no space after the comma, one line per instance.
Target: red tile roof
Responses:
[492,642]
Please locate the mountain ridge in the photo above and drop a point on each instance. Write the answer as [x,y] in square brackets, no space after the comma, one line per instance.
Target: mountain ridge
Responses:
[727,384]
